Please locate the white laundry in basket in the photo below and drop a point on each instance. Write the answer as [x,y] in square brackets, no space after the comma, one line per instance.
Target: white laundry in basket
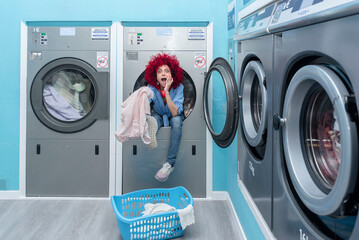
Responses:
[186,215]
[151,208]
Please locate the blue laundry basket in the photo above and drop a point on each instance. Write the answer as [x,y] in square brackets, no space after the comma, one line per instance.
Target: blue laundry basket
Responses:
[128,209]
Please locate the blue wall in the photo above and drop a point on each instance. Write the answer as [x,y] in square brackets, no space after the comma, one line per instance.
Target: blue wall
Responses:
[13,12]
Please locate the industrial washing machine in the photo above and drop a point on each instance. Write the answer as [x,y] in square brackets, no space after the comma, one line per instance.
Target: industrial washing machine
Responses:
[189,45]
[255,76]
[67,127]
[247,105]
[315,106]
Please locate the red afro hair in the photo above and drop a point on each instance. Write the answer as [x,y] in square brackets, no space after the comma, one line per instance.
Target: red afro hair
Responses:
[164,59]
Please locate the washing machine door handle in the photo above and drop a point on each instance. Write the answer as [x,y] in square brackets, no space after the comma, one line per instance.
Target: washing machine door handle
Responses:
[101,108]
[278,121]
[36,90]
[351,107]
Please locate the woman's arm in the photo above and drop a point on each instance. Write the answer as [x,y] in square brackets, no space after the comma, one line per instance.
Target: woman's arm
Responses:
[171,106]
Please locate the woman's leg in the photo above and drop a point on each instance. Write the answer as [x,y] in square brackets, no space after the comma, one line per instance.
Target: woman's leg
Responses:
[159,120]
[176,135]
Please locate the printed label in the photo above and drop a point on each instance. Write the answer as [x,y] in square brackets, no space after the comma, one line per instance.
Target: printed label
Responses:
[102,59]
[199,59]
[100,33]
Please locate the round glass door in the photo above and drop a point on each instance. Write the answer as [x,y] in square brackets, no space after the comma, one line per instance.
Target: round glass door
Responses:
[319,139]
[68,94]
[254,104]
[322,135]
[221,102]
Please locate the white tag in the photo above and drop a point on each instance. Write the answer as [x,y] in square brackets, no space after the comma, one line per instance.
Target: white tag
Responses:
[65,31]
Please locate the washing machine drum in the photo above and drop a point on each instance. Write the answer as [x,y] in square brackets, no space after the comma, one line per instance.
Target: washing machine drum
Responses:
[68,95]
[320,140]
[189,92]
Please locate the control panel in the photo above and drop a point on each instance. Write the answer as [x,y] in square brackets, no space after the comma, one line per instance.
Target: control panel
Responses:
[254,24]
[292,11]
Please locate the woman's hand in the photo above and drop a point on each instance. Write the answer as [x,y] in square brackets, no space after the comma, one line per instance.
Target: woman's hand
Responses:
[171,106]
[168,84]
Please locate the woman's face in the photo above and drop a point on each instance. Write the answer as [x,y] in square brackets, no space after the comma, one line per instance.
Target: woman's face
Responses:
[163,73]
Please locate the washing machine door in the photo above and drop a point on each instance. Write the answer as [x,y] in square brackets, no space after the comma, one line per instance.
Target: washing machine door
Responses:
[69,95]
[320,140]
[253,92]
[220,102]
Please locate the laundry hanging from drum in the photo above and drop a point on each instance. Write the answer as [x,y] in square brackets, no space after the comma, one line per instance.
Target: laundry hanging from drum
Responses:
[134,113]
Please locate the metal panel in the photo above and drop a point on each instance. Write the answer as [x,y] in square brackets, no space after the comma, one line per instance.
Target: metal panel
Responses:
[66,39]
[67,168]
[140,166]
[162,38]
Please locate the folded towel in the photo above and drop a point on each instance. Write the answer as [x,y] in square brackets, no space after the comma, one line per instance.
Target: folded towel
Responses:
[186,216]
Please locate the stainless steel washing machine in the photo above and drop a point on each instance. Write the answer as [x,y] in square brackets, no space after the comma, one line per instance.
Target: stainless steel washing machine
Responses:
[255,70]
[67,122]
[189,45]
[315,106]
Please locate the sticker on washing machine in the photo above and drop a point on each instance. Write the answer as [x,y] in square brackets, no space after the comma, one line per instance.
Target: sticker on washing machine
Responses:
[199,59]
[164,31]
[102,59]
[196,34]
[67,31]
[100,33]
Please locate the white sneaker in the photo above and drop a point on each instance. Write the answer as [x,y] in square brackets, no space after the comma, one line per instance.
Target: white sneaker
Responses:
[164,172]
[152,130]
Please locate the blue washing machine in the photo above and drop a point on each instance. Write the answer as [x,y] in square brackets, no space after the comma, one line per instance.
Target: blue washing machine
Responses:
[67,122]
[315,106]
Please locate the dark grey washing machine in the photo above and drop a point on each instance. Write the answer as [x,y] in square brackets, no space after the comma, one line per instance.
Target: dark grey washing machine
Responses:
[67,125]
[255,76]
[140,164]
[315,106]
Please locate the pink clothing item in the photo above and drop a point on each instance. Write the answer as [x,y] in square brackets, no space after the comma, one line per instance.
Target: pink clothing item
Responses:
[135,111]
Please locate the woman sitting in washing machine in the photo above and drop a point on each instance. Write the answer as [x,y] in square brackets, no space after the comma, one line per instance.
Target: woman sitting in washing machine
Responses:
[164,77]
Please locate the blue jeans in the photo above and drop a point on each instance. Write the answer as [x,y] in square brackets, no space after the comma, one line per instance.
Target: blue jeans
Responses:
[176,135]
